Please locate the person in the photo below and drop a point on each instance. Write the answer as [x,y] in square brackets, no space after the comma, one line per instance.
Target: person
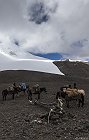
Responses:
[29,92]
[70,86]
[75,86]
[37,90]
[14,86]
[36,87]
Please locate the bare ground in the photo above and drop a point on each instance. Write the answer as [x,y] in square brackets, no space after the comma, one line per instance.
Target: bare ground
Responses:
[21,120]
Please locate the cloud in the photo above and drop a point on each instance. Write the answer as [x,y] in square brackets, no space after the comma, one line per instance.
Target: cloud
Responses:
[45,26]
[38,13]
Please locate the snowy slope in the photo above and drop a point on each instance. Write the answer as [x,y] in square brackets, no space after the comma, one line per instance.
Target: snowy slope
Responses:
[8,62]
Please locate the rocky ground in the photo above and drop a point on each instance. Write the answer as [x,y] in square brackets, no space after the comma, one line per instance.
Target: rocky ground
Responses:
[21,120]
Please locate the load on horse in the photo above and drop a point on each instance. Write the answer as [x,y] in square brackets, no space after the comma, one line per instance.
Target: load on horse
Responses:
[71,94]
[23,87]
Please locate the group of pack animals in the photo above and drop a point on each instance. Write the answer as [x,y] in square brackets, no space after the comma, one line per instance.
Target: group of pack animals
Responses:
[65,92]
[15,90]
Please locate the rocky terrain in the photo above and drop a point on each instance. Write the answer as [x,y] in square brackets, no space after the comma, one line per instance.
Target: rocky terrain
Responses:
[19,119]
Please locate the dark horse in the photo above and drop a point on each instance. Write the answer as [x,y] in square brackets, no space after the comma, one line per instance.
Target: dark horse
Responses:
[12,92]
[78,97]
[6,92]
[35,91]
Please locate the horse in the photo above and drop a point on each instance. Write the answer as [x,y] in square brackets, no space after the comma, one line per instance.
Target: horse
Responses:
[72,94]
[6,92]
[39,91]
[12,91]
[35,90]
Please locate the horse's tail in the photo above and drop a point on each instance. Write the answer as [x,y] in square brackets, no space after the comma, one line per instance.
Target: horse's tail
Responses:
[2,92]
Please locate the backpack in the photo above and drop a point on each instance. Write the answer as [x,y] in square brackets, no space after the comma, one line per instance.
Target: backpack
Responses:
[23,86]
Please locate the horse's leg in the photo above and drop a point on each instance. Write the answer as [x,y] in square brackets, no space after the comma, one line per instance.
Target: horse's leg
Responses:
[79,101]
[13,94]
[38,95]
[67,100]
[82,100]
[17,92]
[3,94]
[67,103]
[58,95]
[30,97]
[3,97]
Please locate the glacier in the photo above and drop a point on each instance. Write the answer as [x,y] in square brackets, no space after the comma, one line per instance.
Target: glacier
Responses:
[8,62]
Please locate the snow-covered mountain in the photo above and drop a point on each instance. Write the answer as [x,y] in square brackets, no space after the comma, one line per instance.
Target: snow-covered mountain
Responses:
[13,57]
[8,62]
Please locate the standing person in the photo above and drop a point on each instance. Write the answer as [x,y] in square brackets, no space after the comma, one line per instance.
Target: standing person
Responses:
[29,92]
[36,87]
[38,90]
[14,86]
[75,86]
[14,90]
[70,86]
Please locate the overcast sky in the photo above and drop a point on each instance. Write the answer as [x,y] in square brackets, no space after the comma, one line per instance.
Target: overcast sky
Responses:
[45,26]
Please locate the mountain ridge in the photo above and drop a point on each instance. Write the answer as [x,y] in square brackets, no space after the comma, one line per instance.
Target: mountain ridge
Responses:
[77,69]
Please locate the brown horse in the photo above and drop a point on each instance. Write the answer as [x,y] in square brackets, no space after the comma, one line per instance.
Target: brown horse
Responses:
[72,94]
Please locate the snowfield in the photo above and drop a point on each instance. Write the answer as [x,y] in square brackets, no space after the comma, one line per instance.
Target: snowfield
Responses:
[8,62]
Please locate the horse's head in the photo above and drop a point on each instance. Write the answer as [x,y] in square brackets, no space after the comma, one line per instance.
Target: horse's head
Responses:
[10,88]
[64,89]
[81,91]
